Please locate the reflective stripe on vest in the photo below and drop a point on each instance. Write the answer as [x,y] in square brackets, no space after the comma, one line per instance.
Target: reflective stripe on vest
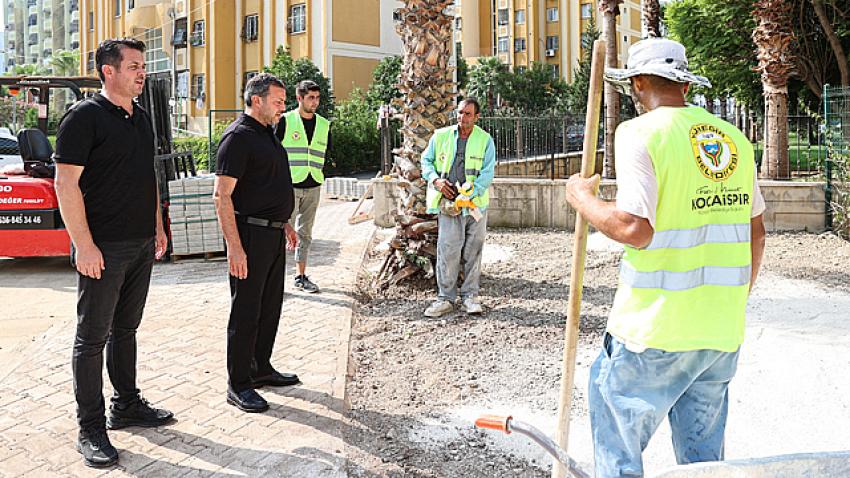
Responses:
[710,233]
[445,144]
[305,159]
[688,289]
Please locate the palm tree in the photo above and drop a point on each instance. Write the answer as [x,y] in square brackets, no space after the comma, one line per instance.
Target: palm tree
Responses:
[427,85]
[610,9]
[773,37]
[65,62]
[485,81]
[651,17]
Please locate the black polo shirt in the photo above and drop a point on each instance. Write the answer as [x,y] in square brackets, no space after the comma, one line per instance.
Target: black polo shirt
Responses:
[250,153]
[309,128]
[116,150]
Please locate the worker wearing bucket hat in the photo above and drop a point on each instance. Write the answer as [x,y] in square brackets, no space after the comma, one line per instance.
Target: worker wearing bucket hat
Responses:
[689,213]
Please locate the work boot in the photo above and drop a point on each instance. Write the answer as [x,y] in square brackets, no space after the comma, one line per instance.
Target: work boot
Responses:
[138,413]
[96,449]
[439,308]
[304,283]
[472,306]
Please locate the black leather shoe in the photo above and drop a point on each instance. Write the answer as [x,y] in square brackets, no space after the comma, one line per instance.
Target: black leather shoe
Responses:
[96,449]
[139,413]
[275,379]
[247,400]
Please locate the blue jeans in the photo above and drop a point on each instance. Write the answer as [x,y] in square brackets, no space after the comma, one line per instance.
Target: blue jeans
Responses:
[631,393]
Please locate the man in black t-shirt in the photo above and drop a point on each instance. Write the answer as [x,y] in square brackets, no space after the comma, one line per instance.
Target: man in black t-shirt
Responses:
[253,199]
[108,198]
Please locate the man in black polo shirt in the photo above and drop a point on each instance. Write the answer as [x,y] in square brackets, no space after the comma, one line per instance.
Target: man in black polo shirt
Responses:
[254,199]
[109,202]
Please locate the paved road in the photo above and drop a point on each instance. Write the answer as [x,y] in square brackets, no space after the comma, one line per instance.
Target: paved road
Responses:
[182,367]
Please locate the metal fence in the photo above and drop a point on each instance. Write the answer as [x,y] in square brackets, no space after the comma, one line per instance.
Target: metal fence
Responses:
[836,133]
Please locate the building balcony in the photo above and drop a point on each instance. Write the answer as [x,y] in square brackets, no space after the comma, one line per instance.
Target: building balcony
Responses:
[46,7]
[75,16]
[75,37]
[33,10]
[47,43]
[33,30]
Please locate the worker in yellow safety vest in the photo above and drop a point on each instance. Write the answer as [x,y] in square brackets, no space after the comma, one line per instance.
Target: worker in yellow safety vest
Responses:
[459,164]
[306,136]
[689,214]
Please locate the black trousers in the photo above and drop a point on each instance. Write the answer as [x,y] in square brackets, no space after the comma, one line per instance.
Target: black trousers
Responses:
[109,311]
[255,305]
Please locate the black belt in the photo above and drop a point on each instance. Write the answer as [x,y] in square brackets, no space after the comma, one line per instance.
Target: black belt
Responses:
[256,221]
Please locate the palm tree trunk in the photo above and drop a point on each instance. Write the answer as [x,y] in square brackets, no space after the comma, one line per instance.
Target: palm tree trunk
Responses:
[651,18]
[610,9]
[773,37]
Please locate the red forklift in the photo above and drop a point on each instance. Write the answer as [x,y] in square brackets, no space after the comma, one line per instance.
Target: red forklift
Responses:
[30,223]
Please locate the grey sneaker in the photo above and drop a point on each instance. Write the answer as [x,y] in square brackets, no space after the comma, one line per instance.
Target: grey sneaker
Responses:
[472,306]
[439,308]
[304,283]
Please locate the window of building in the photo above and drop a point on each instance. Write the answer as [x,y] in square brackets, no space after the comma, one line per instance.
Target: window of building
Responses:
[556,70]
[250,28]
[519,17]
[155,56]
[117,8]
[459,49]
[503,44]
[182,89]
[552,42]
[298,18]
[91,21]
[75,45]
[198,89]
[520,70]
[519,44]
[458,23]
[198,33]
[396,16]
[131,4]
[586,10]
[503,16]
[179,39]
[552,14]
[90,61]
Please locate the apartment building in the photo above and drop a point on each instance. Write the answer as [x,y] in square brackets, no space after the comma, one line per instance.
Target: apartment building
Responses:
[34,29]
[211,48]
[520,32]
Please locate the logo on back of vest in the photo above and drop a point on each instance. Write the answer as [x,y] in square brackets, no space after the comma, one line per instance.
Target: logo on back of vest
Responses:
[714,152]
[296,135]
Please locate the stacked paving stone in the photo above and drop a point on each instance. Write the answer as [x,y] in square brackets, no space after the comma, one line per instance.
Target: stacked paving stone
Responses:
[194,226]
[345,188]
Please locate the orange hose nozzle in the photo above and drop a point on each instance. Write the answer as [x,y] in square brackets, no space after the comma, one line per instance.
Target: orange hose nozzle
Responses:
[494,422]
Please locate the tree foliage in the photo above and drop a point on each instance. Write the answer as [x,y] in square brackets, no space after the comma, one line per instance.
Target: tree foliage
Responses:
[575,99]
[486,81]
[716,36]
[65,62]
[292,71]
[384,87]
[356,140]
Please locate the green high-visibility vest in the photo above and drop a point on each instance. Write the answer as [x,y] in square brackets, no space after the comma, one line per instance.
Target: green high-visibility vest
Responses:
[445,144]
[688,289]
[305,158]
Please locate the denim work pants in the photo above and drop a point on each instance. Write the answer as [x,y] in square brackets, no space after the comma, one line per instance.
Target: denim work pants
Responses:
[631,393]
[459,243]
[255,305]
[109,311]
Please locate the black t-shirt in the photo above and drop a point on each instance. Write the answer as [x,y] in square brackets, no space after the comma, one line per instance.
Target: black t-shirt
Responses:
[309,128]
[118,182]
[250,153]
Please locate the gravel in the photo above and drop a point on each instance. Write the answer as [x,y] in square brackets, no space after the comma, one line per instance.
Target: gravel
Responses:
[417,384]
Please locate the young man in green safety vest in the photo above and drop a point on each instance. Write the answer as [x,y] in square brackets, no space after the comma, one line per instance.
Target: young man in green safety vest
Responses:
[689,213]
[306,137]
[459,157]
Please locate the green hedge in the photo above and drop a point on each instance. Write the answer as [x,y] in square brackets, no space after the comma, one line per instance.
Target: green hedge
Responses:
[356,138]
